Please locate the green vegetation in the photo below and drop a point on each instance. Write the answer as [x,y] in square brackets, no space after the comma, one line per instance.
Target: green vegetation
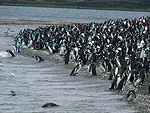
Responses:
[140,5]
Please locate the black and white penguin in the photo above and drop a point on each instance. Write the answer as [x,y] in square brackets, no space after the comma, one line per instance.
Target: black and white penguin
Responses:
[143,54]
[38,58]
[66,58]
[8,31]
[149,88]
[92,69]
[138,81]
[101,67]
[130,96]
[50,105]
[114,72]
[146,65]
[10,53]
[76,69]
[113,84]
[122,83]
[108,64]
[13,93]
[94,57]
[133,75]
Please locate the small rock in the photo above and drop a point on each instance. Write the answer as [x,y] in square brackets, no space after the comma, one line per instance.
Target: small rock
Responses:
[50,105]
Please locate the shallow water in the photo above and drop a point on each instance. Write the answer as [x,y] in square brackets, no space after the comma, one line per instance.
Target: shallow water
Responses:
[66,14]
[38,83]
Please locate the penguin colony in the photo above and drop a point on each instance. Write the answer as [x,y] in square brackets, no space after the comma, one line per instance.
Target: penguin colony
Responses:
[121,47]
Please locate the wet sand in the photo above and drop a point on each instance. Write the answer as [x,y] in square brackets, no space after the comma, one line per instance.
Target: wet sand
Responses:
[142,101]
[30,22]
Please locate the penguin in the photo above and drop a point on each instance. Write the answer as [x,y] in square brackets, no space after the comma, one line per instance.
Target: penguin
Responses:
[50,105]
[130,96]
[92,69]
[122,83]
[114,72]
[113,84]
[149,88]
[108,64]
[138,81]
[38,58]
[146,64]
[101,67]
[111,75]
[10,53]
[8,31]
[143,54]
[133,75]
[76,69]
[13,93]
[62,50]
[66,58]
[94,57]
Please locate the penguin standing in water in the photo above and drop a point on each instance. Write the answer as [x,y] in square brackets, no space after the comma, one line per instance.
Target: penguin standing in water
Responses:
[10,53]
[38,58]
[13,93]
[76,69]
[92,69]
[131,96]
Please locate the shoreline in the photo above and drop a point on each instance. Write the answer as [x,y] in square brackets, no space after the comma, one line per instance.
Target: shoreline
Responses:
[31,22]
[71,7]
[142,101]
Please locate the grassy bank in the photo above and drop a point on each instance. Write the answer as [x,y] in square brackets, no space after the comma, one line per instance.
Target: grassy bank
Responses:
[135,5]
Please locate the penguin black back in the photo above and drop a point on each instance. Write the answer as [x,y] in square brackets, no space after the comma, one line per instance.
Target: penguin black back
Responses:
[149,87]
[76,69]
[92,69]
[38,58]
[11,53]
[66,58]
[122,83]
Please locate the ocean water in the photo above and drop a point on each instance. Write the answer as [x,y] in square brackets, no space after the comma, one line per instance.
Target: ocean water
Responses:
[65,14]
[38,83]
